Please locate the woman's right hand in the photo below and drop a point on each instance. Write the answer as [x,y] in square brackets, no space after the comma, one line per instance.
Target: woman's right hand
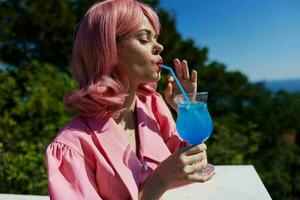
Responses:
[180,167]
[183,166]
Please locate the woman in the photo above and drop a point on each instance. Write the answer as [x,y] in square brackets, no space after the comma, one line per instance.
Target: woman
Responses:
[123,144]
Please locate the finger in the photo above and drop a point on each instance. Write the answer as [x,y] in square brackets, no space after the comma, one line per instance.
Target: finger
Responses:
[178,68]
[190,169]
[196,158]
[194,76]
[195,149]
[185,69]
[170,78]
[201,165]
[168,91]
[198,177]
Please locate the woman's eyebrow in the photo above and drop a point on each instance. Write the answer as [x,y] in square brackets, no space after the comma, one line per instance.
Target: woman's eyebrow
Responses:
[149,32]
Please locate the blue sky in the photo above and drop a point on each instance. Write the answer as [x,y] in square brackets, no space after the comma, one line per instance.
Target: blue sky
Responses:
[260,38]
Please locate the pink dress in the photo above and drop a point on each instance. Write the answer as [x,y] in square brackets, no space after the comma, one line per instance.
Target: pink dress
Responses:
[91,159]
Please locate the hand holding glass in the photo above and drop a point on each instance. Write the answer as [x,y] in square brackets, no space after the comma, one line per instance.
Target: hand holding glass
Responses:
[194,123]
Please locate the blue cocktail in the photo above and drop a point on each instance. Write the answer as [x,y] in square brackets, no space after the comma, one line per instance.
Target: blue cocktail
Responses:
[194,123]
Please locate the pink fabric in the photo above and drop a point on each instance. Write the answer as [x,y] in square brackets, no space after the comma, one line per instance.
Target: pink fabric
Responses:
[92,159]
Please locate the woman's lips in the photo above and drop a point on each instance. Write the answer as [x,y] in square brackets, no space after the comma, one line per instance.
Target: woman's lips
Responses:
[159,68]
[158,63]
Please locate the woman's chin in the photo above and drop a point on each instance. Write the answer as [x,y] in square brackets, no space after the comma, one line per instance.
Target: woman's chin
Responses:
[158,76]
[153,78]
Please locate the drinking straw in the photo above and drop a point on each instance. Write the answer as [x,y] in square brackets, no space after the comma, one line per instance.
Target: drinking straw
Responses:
[177,82]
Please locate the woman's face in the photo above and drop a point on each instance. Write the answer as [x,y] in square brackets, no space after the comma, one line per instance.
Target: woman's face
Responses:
[138,55]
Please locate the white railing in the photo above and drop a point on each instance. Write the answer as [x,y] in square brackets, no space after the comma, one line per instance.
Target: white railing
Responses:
[231,182]
[22,197]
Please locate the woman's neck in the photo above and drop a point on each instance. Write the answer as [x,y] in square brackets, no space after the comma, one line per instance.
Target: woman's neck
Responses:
[128,115]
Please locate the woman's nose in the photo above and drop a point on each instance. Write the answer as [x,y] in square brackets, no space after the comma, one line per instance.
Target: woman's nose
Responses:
[158,48]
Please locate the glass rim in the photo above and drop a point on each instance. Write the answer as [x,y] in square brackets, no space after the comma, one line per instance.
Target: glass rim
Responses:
[194,97]
[192,93]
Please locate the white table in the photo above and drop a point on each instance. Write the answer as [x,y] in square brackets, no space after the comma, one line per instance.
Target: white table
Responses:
[232,182]
[22,197]
[229,183]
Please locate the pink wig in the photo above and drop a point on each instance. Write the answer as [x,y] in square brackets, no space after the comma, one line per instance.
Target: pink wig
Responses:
[102,91]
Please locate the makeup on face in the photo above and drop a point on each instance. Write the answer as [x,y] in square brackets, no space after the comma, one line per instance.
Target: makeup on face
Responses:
[146,34]
[139,58]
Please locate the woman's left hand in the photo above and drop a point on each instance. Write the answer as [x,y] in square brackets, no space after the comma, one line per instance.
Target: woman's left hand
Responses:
[188,82]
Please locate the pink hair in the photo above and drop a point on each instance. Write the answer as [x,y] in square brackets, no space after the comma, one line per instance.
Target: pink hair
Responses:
[102,91]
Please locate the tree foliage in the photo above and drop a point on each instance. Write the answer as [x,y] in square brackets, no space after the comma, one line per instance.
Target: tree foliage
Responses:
[252,124]
[31,111]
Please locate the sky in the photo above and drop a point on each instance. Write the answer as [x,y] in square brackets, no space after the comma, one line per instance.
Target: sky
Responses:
[260,38]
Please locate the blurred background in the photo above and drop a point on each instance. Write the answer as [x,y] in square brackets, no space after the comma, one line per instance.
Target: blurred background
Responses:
[246,54]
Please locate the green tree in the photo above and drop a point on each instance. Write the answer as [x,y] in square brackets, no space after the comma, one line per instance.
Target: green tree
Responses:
[39,30]
[251,122]
[31,113]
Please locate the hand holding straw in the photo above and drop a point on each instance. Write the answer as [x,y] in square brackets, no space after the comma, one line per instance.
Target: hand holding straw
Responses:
[170,70]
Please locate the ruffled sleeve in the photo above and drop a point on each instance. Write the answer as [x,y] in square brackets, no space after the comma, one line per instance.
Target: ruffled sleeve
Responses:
[70,175]
[166,123]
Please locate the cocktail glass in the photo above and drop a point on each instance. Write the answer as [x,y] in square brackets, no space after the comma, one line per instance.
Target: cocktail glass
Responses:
[194,123]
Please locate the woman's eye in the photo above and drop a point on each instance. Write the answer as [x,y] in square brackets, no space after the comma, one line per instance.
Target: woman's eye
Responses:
[143,40]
